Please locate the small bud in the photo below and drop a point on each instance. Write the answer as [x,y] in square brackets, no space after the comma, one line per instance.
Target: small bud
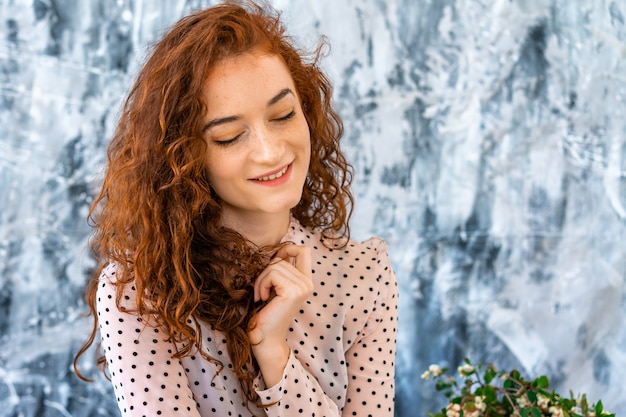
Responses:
[466,369]
[435,370]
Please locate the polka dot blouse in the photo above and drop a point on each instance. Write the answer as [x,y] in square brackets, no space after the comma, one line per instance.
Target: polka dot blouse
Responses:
[342,345]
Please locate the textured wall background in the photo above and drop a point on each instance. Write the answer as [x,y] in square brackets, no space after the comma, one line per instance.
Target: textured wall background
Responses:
[489,142]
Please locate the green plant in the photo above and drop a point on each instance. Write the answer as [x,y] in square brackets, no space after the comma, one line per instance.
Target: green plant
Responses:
[484,391]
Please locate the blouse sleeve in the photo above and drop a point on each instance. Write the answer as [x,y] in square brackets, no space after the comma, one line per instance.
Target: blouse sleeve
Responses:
[298,393]
[145,377]
[371,359]
[370,363]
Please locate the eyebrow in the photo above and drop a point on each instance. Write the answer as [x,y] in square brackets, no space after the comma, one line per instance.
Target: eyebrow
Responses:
[223,120]
[279,96]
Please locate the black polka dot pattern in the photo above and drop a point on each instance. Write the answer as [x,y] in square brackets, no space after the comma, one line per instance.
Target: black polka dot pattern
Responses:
[342,347]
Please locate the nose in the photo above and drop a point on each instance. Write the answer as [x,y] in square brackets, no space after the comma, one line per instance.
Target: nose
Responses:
[268,146]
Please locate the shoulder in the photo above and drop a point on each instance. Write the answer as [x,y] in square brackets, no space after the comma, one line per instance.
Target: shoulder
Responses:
[375,281]
[375,248]
[109,272]
[367,267]
[110,283]
[369,257]
[365,260]
[111,277]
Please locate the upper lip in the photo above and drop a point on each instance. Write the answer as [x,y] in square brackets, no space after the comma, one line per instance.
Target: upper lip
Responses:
[275,171]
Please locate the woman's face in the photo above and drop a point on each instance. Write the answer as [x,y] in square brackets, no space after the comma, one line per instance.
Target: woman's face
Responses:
[258,139]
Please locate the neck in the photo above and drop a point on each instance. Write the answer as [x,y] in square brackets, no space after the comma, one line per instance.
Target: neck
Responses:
[262,230]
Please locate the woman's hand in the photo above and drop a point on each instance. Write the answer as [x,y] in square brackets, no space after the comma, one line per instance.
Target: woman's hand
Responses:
[286,283]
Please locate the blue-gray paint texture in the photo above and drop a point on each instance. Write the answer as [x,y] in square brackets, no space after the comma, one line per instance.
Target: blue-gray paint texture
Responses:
[489,145]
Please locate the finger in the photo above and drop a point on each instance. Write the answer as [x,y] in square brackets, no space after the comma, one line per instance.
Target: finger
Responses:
[300,254]
[268,278]
[262,288]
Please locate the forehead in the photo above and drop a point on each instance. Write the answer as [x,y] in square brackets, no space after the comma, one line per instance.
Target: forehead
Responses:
[248,74]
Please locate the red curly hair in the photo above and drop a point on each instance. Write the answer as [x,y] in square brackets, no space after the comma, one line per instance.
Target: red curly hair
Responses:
[156,215]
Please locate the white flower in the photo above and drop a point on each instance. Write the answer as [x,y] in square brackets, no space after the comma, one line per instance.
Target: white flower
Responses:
[542,401]
[522,402]
[426,375]
[479,402]
[466,369]
[473,413]
[453,410]
[435,370]
[556,411]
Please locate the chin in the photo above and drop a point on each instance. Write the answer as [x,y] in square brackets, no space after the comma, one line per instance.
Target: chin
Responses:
[291,203]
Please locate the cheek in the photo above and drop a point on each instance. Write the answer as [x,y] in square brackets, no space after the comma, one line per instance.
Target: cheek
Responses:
[309,145]
[306,136]
[216,169]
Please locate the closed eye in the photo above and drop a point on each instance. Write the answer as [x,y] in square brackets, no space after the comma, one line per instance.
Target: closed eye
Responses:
[286,117]
[228,141]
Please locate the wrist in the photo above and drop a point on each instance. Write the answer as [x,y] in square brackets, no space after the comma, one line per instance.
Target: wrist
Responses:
[272,357]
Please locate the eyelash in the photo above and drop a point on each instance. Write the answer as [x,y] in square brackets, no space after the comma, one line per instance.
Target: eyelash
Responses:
[287,117]
[227,142]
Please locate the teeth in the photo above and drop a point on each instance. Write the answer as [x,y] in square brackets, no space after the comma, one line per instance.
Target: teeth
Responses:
[274,176]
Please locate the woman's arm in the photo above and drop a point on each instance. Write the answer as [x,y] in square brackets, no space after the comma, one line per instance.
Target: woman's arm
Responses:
[370,364]
[287,283]
[145,377]
[371,360]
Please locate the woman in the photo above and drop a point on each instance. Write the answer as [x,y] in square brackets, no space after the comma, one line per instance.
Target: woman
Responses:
[228,284]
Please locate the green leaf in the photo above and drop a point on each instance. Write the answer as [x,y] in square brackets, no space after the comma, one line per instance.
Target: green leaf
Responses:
[490,393]
[536,412]
[584,404]
[599,408]
[440,386]
[567,403]
[524,412]
[542,382]
[490,374]
[545,393]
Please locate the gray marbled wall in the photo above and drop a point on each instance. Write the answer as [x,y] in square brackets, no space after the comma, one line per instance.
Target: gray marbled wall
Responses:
[489,142]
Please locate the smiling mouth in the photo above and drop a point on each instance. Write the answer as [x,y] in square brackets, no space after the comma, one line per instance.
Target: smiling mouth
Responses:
[275,175]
